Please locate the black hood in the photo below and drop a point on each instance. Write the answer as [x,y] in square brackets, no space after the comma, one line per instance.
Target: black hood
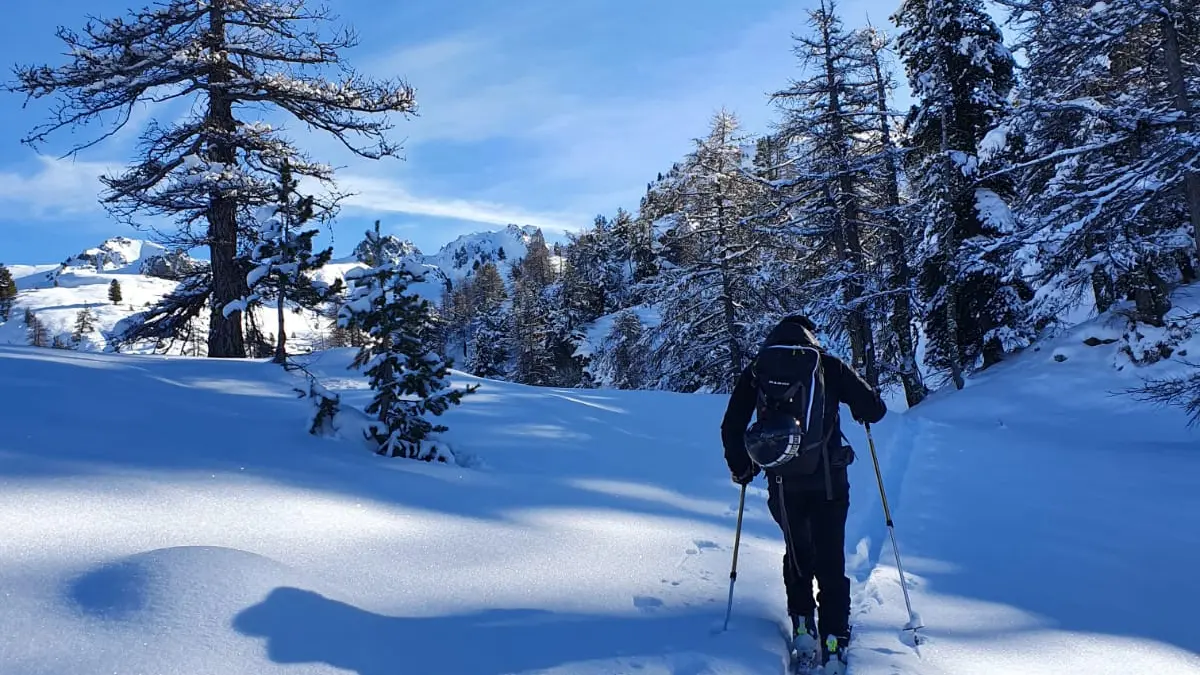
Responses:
[795,329]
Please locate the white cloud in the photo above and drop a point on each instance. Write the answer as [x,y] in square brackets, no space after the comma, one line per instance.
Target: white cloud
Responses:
[61,188]
[576,144]
[389,196]
[57,187]
[472,87]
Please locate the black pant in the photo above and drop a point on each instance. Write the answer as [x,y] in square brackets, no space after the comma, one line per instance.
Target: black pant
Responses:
[814,532]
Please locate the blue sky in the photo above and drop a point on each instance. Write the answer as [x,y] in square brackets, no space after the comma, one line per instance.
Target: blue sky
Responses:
[537,112]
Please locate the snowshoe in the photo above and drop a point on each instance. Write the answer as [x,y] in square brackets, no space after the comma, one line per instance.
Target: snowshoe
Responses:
[834,654]
[805,644]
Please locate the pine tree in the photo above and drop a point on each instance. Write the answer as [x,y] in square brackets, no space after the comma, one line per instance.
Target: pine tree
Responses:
[284,259]
[406,376]
[114,292]
[1107,187]
[8,292]
[214,166]
[625,360]
[593,281]
[492,344]
[533,335]
[485,316]
[961,73]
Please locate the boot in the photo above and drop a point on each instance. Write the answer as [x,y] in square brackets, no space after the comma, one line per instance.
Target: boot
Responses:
[805,640]
[834,653]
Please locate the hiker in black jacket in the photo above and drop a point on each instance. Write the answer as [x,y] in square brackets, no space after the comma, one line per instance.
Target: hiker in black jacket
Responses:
[808,496]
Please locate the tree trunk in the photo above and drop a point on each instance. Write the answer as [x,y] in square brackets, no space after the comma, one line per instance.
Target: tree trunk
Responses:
[900,276]
[1174,59]
[735,349]
[1150,296]
[228,284]
[281,342]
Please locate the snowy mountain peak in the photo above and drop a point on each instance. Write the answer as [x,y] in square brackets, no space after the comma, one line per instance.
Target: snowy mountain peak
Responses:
[393,248]
[115,253]
[461,257]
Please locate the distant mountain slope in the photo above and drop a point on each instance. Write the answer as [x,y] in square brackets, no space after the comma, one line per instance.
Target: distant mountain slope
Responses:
[56,293]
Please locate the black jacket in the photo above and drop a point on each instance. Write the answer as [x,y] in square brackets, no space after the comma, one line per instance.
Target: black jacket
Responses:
[842,385]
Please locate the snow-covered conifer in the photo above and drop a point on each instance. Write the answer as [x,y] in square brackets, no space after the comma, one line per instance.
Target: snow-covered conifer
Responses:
[284,259]
[625,360]
[8,292]
[408,378]
[491,346]
[825,118]
[961,75]
[707,290]
[114,292]
[895,221]
[532,316]
[1110,179]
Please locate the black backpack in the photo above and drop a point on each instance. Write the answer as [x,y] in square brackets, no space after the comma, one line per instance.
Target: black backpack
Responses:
[789,381]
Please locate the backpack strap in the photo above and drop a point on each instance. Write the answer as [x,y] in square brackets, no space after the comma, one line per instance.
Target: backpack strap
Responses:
[792,391]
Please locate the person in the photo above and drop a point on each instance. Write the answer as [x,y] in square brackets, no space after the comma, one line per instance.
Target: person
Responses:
[809,486]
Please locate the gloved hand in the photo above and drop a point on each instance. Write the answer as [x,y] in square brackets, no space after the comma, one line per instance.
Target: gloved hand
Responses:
[747,474]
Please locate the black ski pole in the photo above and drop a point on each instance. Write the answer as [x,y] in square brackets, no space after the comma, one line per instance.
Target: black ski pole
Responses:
[914,621]
[737,538]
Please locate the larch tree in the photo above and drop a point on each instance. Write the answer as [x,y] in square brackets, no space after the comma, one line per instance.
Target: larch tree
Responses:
[1110,177]
[707,290]
[824,116]
[532,317]
[228,62]
[85,323]
[893,217]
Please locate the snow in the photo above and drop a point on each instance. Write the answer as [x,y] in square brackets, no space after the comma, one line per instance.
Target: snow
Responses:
[116,253]
[484,247]
[1046,527]
[57,292]
[57,307]
[994,212]
[596,333]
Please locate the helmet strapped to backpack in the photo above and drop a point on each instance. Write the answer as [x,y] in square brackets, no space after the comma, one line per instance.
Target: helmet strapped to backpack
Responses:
[789,429]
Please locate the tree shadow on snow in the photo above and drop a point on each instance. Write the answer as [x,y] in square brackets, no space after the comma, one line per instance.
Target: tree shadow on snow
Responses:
[301,626]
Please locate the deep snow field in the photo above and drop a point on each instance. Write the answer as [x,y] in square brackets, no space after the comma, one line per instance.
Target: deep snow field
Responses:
[167,515]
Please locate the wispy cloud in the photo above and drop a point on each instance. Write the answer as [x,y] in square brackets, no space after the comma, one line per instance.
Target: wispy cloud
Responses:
[60,187]
[57,187]
[576,143]
[383,195]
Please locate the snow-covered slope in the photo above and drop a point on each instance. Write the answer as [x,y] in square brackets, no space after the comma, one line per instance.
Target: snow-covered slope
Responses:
[1048,527]
[146,272]
[1047,520]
